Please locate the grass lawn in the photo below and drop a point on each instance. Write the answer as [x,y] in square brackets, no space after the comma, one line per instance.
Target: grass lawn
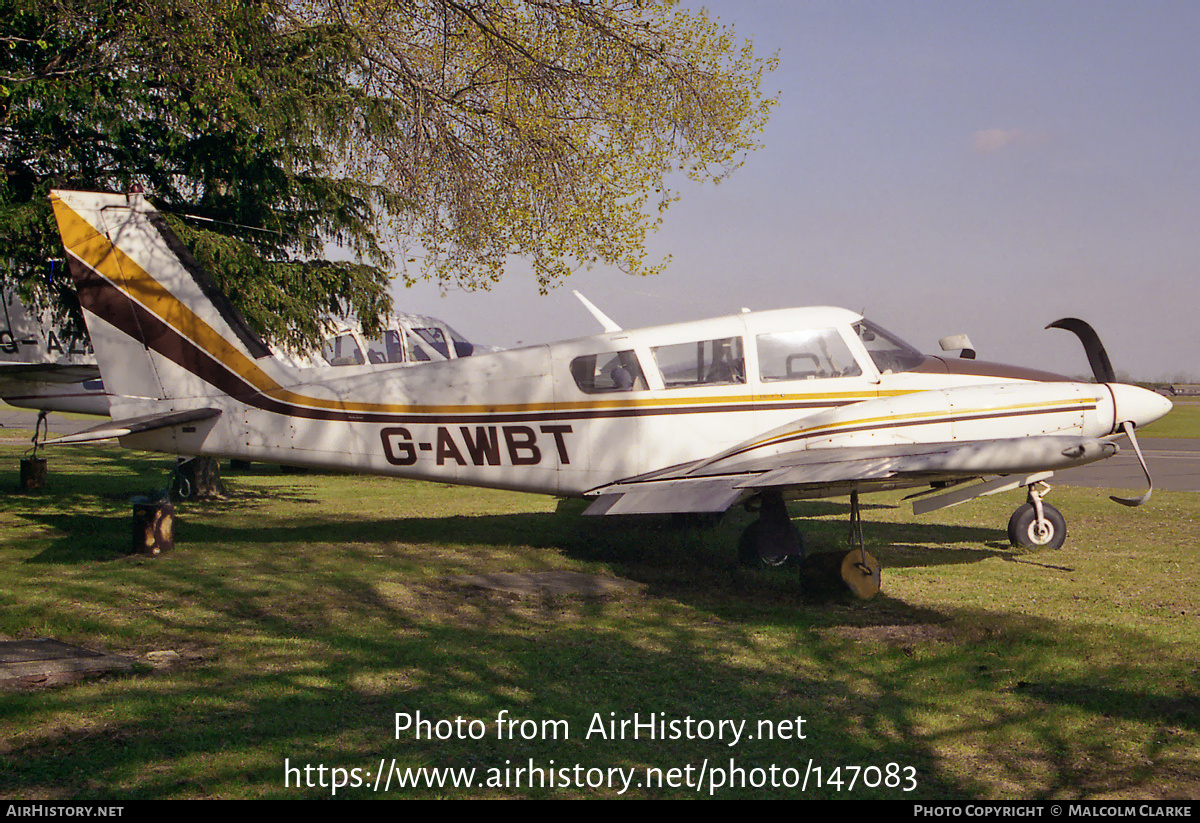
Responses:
[308,611]
[1182,422]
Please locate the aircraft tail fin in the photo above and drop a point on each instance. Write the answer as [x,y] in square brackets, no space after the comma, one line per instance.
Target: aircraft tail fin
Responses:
[160,327]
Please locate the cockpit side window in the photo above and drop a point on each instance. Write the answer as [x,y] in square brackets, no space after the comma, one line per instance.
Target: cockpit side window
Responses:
[435,338]
[385,349]
[420,349]
[342,350]
[806,354]
[703,363]
[462,346]
[608,372]
[890,354]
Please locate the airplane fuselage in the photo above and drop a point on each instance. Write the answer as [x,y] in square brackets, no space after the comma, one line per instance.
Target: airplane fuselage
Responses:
[535,419]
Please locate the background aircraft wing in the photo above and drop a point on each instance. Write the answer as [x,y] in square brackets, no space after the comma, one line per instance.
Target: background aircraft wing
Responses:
[50,372]
[710,486]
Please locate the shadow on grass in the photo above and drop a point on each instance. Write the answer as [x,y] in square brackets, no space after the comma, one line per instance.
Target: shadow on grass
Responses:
[233,729]
[327,692]
[312,635]
[640,542]
[103,531]
[1116,702]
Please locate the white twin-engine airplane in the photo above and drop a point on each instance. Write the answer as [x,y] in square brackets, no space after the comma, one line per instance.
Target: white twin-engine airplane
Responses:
[695,417]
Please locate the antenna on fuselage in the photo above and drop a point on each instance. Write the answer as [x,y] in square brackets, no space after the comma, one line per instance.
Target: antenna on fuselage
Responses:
[600,316]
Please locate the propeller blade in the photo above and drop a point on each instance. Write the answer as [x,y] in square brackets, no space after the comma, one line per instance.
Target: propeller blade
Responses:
[1103,370]
[1097,356]
[1127,427]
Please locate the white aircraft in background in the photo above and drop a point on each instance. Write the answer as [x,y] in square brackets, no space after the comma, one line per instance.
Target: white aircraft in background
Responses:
[45,367]
[753,408]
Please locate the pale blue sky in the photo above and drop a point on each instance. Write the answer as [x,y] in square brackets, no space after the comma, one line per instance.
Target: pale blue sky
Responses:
[985,167]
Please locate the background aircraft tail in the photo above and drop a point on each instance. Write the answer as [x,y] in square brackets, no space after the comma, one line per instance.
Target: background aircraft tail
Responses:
[160,327]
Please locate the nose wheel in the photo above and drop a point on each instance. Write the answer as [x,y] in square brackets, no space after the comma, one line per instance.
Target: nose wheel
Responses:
[1037,524]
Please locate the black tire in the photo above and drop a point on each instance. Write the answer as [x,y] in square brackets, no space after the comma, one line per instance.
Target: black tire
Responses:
[1022,528]
[750,550]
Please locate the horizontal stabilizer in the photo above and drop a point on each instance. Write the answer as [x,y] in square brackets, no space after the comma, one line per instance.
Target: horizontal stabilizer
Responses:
[133,425]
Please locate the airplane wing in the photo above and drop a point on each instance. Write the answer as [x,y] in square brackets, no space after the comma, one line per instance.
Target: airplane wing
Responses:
[714,485]
[63,387]
[133,425]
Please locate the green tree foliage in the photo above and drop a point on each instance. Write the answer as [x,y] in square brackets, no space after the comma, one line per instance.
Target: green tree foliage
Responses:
[542,128]
[458,132]
[219,112]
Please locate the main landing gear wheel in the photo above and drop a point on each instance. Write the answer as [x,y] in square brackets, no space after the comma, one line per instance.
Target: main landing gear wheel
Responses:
[756,550]
[1024,531]
[771,540]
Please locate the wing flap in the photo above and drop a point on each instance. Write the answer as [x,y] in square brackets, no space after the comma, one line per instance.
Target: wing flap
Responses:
[815,473]
[674,497]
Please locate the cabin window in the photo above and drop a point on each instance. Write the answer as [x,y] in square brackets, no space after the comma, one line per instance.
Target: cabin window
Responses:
[416,348]
[343,350]
[703,363]
[807,354]
[436,339]
[890,354]
[462,346]
[608,372]
[386,349]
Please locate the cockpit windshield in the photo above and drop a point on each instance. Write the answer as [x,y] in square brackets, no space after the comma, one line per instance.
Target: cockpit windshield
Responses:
[891,354]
